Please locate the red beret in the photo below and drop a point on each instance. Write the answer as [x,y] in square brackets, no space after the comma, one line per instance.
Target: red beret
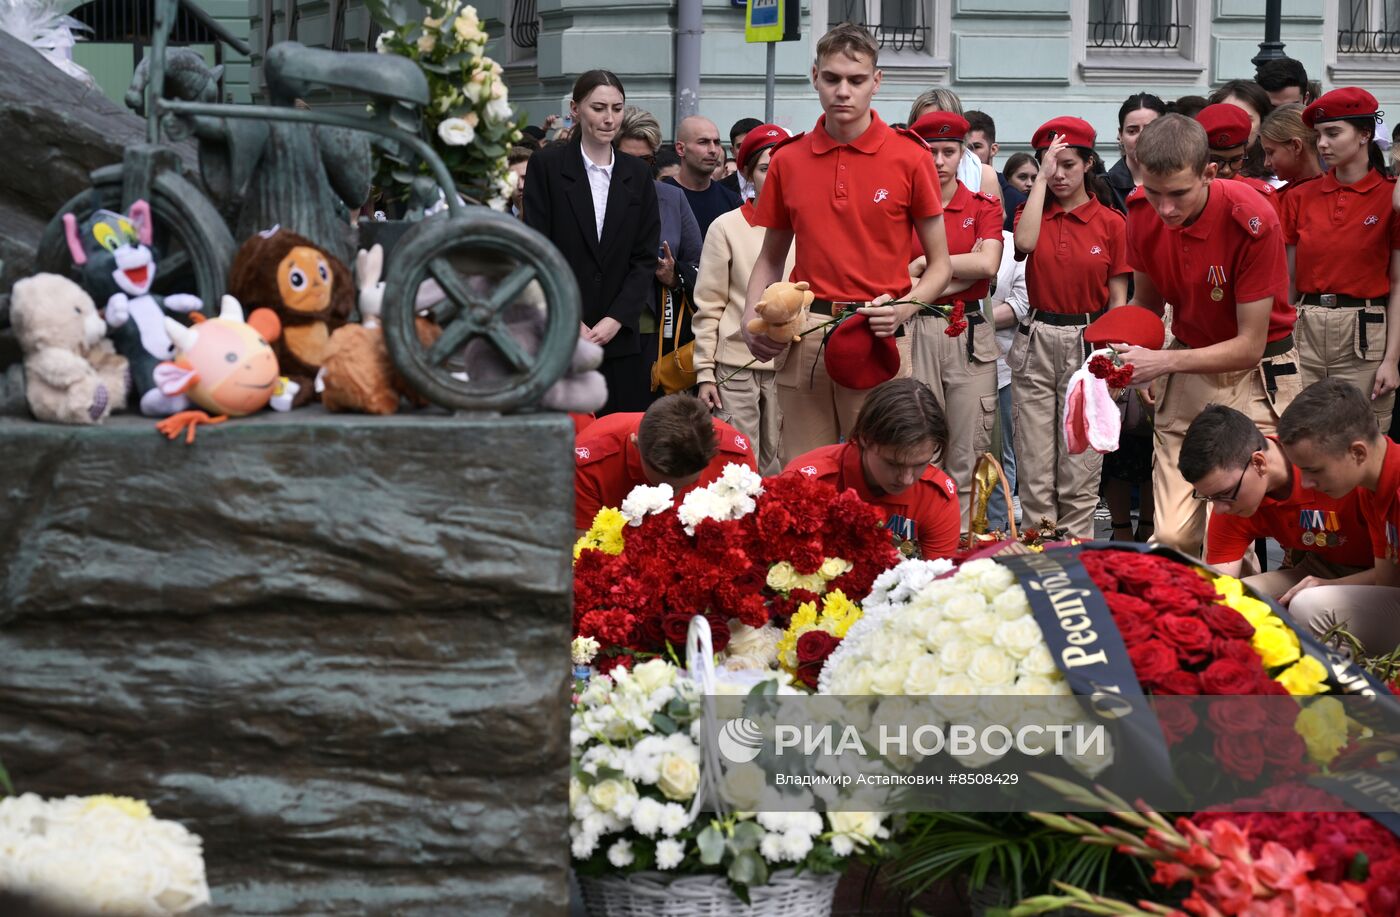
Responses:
[1074,131]
[1227,126]
[856,358]
[757,140]
[1347,102]
[1127,325]
[938,126]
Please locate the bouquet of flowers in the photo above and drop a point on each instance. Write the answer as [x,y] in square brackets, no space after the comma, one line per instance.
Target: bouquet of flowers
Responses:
[636,774]
[741,551]
[811,637]
[469,119]
[100,853]
[1280,864]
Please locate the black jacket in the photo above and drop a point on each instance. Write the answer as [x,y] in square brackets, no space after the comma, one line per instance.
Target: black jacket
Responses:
[615,274]
[1121,181]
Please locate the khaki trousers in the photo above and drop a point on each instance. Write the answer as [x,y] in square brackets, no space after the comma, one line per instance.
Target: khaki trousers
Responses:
[1180,519]
[813,410]
[1329,346]
[1371,614]
[965,385]
[750,398]
[1277,582]
[1052,483]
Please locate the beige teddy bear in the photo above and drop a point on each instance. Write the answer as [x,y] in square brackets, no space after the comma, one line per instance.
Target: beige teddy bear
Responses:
[782,311]
[71,372]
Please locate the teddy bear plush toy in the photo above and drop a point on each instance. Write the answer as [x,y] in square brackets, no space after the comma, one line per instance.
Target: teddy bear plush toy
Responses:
[71,372]
[782,310]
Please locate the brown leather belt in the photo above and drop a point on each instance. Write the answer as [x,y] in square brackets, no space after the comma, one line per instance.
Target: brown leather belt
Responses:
[1337,301]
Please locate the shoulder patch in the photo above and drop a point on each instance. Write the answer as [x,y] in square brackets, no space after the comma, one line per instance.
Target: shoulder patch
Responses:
[941,482]
[908,134]
[1136,195]
[1250,220]
[986,197]
[732,440]
[784,142]
[588,453]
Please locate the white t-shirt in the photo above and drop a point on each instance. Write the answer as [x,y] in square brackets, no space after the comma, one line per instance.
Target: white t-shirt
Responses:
[970,171]
[1010,289]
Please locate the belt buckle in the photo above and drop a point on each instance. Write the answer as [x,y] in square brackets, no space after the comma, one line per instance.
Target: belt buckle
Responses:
[1329,299]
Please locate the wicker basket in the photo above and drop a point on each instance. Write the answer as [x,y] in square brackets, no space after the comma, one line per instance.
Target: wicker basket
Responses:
[653,894]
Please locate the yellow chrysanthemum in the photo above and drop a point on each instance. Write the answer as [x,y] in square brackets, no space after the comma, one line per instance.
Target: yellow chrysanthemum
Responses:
[1304,678]
[802,620]
[125,804]
[1323,727]
[604,535]
[1276,644]
[839,613]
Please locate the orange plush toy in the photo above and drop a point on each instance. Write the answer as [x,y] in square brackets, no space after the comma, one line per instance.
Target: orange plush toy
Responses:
[782,310]
[308,289]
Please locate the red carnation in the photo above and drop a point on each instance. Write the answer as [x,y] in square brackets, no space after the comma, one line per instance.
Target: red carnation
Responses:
[1230,676]
[1100,366]
[957,323]
[1121,377]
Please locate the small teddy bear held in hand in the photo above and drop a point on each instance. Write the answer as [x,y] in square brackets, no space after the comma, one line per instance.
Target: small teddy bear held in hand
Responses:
[782,310]
[72,374]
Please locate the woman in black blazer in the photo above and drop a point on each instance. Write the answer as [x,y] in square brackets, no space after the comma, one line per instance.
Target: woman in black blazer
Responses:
[613,256]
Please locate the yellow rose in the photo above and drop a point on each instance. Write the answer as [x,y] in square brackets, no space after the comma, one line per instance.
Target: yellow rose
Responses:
[1305,677]
[679,778]
[833,567]
[1254,611]
[781,576]
[1275,645]
[1228,587]
[1323,727]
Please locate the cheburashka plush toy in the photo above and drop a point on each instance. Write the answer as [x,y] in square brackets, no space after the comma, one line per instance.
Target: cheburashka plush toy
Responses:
[309,290]
[72,374]
[226,366]
[117,267]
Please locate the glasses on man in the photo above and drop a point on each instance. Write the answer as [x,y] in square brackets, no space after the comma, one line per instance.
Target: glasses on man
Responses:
[1232,162]
[1222,498]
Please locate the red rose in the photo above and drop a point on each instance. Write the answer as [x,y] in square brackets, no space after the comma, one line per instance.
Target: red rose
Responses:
[719,632]
[1284,749]
[1133,630]
[1137,576]
[1238,650]
[1240,756]
[815,646]
[1167,598]
[676,627]
[1200,587]
[1152,659]
[1237,715]
[1190,636]
[1123,605]
[1183,683]
[1226,622]
[1229,676]
[1177,720]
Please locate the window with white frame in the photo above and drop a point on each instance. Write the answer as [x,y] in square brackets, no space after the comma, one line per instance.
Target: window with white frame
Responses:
[1368,27]
[897,25]
[1137,24]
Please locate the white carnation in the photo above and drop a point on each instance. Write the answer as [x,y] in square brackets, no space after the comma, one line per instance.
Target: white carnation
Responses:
[583,845]
[646,816]
[646,501]
[771,847]
[796,845]
[674,819]
[620,853]
[669,853]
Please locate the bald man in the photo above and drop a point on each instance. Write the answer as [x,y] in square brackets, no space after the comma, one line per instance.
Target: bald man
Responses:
[700,149]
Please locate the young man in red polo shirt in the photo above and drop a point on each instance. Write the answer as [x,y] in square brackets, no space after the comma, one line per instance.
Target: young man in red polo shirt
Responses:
[1329,433]
[1257,493]
[898,433]
[848,191]
[1214,250]
[675,442]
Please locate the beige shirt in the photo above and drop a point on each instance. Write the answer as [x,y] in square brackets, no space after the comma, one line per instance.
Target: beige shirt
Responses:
[730,252]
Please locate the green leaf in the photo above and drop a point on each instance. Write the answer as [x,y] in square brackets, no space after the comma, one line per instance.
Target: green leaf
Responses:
[1358,871]
[748,868]
[403,176]
[5,783]
[663,723]
[711,844]
[747,836]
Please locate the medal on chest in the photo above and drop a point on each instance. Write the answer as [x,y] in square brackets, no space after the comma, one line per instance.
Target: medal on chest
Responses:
[1216,278]
[1321,528]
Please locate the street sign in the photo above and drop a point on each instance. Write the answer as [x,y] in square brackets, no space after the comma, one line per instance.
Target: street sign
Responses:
[773,20]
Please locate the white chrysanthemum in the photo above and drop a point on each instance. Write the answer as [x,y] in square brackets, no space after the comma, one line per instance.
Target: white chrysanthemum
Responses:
[646,501]
[620,853]
[669,853]
[674,819]
[583,845]
[583,649]
[646,816]
[771,847]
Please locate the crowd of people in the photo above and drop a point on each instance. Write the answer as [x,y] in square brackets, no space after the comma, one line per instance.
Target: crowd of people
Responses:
[1257,230]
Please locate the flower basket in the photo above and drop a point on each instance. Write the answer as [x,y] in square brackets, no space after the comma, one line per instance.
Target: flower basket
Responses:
[654,894]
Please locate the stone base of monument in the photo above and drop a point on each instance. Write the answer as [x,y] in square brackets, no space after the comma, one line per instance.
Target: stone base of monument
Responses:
[336,647]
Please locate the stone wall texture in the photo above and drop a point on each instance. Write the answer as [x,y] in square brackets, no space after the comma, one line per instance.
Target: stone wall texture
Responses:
[336,647]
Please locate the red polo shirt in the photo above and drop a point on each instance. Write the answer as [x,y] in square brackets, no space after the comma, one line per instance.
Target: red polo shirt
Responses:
[1078,251]
[607,464]
[1266,190]
[851,206]
[926,512]
[1344,235]
[1235,246]
[1305,520]
[1380,507]
[970,217]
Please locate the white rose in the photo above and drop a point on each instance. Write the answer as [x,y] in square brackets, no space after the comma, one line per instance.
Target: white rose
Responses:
[981,629]
[964,607]
[957,696]
[669,853]
[1090,764]
[456,132]
[606,795]
[987,576]
[1039,661]
[833,567]
[743,787]
[924,673]
[859,827]
[941,632]
[1019,637]
[781,576]
[890,677]
[498,109]
[1035,686]
[620,854]
[1011,604]
[680,777]
[956,656]
[991,666]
